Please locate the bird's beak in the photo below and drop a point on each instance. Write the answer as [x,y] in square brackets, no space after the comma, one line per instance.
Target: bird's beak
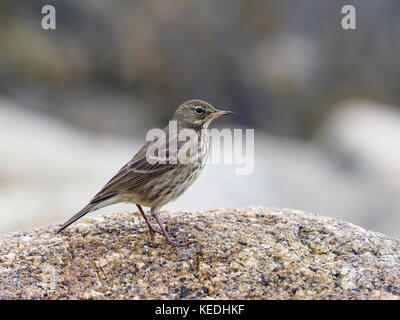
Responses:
[219,113]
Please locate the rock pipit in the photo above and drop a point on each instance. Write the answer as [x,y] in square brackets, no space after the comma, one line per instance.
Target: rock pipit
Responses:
[162,169]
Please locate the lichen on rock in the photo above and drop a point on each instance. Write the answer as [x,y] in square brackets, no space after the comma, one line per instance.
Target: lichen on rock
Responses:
[250,253]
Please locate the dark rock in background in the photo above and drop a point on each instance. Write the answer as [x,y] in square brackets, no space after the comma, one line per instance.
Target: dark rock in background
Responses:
[281,66]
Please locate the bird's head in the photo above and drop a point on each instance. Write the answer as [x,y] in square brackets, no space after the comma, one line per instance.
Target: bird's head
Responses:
[197,114]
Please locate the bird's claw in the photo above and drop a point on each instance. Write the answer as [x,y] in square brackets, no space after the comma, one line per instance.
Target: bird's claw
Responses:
[179,244]
[152,230]
[172,243]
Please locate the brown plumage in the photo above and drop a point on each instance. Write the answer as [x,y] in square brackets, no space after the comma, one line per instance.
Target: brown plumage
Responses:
[155,183]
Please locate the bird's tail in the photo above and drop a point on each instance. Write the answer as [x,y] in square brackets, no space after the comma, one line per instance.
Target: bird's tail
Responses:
[90,207]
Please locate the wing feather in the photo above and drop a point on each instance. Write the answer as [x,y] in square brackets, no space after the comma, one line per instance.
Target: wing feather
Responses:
[133,174]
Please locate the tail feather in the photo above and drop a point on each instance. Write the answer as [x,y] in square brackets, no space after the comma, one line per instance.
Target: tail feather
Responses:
[90,207]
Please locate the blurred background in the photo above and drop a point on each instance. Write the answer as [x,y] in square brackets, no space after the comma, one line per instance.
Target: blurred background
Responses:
[76,102]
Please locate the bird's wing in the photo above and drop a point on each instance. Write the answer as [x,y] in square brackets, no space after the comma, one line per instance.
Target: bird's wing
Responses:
[134,173]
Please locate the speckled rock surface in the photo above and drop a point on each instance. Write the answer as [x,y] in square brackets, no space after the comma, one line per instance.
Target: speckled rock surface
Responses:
[251,253]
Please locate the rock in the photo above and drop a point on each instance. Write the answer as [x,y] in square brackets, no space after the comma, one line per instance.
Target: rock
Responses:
[282,254]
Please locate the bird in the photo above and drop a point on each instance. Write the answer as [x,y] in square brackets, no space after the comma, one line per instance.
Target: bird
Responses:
[163,169]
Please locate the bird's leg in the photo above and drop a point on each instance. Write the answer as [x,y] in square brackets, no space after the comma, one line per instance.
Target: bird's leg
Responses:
[154,212]
[151,228]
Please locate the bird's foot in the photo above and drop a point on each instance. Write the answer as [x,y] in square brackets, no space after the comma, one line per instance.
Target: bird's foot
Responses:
[172,243]
[179,244]
[151,229]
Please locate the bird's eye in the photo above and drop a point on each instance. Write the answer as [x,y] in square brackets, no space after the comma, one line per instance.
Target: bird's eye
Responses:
[198,110]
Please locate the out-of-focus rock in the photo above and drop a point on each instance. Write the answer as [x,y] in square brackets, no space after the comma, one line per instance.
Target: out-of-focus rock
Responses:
[285,60]
[364,138]
[48,168]
[251,253]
